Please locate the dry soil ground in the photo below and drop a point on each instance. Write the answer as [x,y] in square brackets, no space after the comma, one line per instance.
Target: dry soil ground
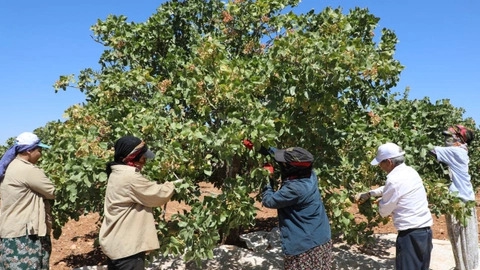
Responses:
[75,248]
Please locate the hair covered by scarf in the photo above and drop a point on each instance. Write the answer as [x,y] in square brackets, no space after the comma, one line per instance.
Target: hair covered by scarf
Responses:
[290,172]
[128,150]
[11,153]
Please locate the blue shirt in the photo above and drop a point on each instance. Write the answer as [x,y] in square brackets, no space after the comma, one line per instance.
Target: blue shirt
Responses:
[302,218]
[457,160]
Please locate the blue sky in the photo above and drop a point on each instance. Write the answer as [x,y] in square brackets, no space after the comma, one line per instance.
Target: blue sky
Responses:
[41,40]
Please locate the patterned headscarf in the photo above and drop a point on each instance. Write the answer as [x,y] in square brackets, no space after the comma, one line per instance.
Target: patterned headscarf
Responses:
[128,150]
[458,134]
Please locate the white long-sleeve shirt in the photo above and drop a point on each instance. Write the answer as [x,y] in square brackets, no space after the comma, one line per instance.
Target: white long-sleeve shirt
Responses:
[404,197]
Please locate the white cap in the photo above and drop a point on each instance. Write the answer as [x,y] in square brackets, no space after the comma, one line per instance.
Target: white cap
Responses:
[386,151]
[28,138]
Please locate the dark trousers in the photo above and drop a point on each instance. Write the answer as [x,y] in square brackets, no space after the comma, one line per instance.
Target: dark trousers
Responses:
[134,262]
[414,249]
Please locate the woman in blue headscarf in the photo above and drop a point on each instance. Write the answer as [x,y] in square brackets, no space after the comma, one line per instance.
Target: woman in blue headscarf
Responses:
[25,216]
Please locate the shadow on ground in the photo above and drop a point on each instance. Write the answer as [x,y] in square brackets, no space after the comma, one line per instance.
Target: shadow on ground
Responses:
[377,256]
[269,257]
[229,257]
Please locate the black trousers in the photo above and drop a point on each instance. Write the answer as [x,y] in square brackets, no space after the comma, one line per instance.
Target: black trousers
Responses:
[134,262]
[413,249]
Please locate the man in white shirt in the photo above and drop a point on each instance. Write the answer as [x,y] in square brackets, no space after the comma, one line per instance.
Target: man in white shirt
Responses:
[404,197]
